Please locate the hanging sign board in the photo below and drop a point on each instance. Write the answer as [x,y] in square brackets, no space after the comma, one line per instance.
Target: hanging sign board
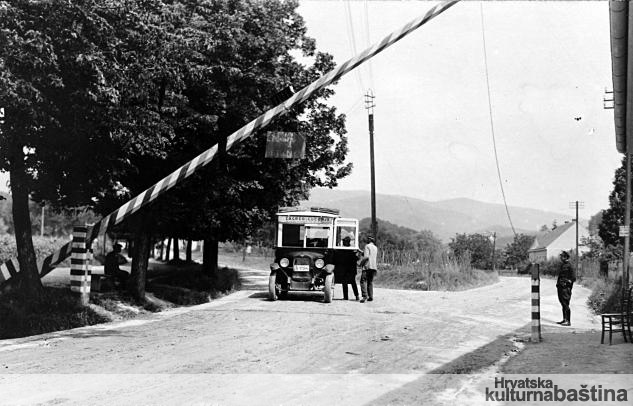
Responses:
[285,145]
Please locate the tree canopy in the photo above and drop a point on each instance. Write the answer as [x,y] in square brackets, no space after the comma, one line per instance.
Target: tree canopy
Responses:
[394,237]
[105,98]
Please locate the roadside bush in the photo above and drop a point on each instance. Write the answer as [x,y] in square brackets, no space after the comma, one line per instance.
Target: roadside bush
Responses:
[441,273]
[56,310]
[550,267]
[193,286]
[605,296]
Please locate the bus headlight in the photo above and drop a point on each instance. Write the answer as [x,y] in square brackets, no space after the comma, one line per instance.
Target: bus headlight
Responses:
[284,262]
[319,263]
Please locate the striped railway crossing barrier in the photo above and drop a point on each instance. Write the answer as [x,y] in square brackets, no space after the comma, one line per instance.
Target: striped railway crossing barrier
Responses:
[9,269]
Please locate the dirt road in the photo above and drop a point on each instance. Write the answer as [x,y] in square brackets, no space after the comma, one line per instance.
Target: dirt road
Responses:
[244,349]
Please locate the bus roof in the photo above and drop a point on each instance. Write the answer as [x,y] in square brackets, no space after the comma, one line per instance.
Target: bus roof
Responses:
[308,211]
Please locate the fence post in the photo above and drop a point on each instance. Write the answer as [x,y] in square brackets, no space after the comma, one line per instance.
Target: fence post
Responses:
[80,265]
[536,304]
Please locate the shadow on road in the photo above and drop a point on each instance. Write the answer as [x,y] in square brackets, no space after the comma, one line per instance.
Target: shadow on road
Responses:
[293,297]
[447,376]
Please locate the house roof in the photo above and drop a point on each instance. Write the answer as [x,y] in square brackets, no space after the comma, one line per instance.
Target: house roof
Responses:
[544,240]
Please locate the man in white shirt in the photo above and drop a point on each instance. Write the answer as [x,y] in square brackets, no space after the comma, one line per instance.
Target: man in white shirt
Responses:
[370,267]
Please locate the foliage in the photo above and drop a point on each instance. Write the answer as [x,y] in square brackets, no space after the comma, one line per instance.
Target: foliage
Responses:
[56,309]
[605,296]
[613,217]
[44,246]
[517,251]
[594,223]
[57,222]
[392,237]
[104,101]
[477,246]
[441,273]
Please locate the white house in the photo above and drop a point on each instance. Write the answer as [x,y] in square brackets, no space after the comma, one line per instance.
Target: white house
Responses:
[562,238]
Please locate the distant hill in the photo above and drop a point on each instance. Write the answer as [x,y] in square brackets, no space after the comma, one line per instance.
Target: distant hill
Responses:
[444,218]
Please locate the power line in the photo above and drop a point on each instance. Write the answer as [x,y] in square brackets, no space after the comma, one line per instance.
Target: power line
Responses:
[368,44]
[492,127]
[351,38]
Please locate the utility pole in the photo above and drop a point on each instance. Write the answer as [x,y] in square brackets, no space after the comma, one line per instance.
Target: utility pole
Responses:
[577,205]
[369,105]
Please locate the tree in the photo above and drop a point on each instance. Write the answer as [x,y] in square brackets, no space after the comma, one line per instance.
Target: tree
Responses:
[233,69]
[517,251]
[594,223]
[54,71]
[613,217]
[477,246]
[394,237]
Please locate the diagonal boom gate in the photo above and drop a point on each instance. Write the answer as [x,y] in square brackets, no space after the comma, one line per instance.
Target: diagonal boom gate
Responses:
[9,269]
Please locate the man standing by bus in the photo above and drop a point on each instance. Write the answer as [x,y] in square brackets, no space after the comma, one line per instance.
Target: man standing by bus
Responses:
[369,268]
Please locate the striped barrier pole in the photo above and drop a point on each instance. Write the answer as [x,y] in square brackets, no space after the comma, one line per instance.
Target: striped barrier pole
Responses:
[248,130]
[536,304]
[80,265]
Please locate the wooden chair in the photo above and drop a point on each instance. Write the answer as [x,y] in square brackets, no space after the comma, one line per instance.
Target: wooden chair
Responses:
[618,322]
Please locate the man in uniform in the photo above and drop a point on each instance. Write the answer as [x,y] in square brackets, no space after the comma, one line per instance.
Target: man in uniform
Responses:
[564,284]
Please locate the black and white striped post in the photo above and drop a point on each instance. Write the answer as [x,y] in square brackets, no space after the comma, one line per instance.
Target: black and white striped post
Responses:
[536,304]
[80,265]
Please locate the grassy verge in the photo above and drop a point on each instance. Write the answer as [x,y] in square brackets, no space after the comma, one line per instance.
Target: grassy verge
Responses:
[56,310]
[193,286]
[449,276]
[605,295]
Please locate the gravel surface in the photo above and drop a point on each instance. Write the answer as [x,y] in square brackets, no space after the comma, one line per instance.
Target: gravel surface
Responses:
[245,349]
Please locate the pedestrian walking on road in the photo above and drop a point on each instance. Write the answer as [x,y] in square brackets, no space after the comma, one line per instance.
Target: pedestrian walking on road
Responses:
[564,284]
[369,269]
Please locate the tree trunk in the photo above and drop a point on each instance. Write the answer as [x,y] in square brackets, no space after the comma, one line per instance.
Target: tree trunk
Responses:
[142,245]
[188,252]
[168,250]
[176,249]
[210,256]
[29,274]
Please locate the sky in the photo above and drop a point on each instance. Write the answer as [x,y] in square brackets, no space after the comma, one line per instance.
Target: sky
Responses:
[548,66]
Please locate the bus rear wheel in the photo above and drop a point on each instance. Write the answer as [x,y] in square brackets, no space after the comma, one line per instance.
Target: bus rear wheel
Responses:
[272,287]
[328,288]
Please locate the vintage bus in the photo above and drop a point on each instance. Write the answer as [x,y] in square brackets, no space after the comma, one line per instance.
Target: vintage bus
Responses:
[310,244]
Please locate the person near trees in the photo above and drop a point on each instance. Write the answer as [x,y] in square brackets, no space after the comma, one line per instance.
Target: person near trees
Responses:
[111,267]
[369,265]
[564,284]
